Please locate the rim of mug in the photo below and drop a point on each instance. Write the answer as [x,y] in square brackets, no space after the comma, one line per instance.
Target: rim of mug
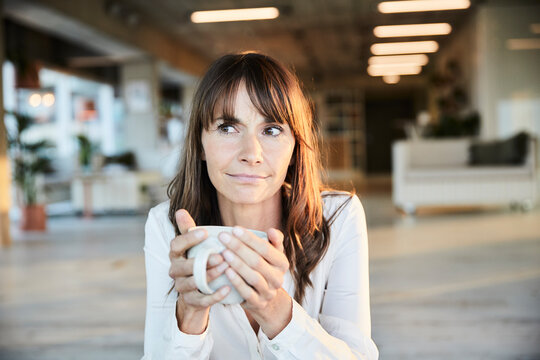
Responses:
[256,232]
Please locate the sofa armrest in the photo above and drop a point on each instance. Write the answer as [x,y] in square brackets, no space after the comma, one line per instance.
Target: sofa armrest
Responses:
[400,163]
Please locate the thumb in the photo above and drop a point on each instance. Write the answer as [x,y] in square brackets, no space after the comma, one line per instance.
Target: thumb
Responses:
[276,238]
[184,221]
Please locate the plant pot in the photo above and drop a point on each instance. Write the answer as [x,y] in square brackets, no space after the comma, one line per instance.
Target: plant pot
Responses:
[33,218]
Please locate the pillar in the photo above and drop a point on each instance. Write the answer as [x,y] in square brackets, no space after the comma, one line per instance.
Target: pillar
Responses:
[5,174]
[140,90]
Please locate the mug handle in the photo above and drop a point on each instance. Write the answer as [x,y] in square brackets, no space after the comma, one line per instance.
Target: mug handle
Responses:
[199,270]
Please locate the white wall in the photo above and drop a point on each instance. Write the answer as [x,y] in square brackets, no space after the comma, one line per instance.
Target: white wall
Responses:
[503,85]
[508,81]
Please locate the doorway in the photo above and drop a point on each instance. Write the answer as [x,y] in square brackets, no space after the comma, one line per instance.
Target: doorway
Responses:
[385,123]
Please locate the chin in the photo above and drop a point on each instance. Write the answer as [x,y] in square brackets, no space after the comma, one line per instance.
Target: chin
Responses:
[247,196]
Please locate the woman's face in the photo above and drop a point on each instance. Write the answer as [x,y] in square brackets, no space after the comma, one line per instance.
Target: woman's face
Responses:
[247,156]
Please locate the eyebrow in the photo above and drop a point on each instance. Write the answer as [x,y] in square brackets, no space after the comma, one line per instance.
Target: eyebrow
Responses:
[234,120]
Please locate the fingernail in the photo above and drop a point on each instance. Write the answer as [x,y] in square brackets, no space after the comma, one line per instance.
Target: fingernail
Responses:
[224,290]
[228,255]
[225,237]
[238,231]
[231,273]
[199,234]
[221,267]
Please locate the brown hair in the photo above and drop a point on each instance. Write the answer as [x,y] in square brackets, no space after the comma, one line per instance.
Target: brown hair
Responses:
[277,94]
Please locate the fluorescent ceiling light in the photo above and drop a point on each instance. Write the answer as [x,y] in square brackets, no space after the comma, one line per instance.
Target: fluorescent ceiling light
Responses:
[388,7]
[235,15]
[377,70]
[535,28]
[389,67]
[391,79]
[412,30]
[523,44]
[418,59]
[411,47]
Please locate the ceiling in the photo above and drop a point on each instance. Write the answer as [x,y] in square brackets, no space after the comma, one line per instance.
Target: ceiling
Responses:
[319,38]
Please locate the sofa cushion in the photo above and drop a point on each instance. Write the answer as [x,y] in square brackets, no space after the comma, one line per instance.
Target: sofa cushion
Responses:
[512,151]
[438,153]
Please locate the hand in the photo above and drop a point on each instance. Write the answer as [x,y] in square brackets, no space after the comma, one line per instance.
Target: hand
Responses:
[181,270]
[257,266]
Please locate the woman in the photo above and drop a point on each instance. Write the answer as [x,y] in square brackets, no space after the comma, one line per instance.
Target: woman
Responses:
[251,161]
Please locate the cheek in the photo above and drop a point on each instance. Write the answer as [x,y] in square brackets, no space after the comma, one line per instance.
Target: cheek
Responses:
[217,153]
[280,156]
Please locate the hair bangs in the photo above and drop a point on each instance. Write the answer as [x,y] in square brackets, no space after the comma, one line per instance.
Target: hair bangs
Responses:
[268,99]
[221,98]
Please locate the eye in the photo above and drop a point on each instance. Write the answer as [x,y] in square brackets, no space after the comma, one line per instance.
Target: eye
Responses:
[226,129]
[273,130]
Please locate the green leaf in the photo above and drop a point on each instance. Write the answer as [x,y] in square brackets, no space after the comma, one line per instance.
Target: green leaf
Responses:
[38,146]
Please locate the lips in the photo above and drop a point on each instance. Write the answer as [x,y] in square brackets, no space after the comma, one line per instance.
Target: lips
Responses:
[247,178]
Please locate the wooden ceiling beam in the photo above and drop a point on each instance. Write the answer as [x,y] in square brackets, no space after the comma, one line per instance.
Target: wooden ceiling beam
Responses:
[90,21]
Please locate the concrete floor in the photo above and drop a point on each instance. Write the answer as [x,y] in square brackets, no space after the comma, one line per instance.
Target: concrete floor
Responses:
[443,286]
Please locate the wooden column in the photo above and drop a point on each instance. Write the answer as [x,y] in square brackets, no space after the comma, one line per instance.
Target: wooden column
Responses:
[5,175]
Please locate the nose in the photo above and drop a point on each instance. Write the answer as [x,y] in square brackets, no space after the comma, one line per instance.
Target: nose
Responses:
[251,151]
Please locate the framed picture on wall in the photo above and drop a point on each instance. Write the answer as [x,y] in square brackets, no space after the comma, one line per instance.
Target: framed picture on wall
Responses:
[84,108]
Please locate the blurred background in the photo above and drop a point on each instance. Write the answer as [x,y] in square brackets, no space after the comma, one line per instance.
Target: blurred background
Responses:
[430,110]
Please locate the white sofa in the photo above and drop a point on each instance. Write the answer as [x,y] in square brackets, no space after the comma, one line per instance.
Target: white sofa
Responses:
[436,173]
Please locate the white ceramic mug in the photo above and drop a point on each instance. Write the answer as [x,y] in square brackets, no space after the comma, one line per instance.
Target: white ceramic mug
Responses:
[202,251]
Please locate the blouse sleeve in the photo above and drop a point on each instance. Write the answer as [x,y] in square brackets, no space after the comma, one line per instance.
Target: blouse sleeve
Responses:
[162,338]
[343,329]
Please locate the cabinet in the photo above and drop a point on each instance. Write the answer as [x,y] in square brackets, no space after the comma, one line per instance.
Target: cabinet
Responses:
[102,192]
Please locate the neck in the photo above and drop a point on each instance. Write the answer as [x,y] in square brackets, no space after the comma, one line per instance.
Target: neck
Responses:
[260,216]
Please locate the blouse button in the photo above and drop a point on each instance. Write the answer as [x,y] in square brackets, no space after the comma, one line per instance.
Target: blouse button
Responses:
[275,346]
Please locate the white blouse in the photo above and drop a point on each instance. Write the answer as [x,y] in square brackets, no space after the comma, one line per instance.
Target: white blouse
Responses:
[333,321]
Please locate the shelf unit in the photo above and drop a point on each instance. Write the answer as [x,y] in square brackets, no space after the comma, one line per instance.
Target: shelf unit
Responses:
[341,113]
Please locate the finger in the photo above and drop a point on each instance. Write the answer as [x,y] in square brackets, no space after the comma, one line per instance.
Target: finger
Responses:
[214,260]
[276,238]
[195,298]
[263,285]
[181,243]
[215,272]
[247,292]
[250,260]
[184,221]
[181,267]
[187,284]
[261,246]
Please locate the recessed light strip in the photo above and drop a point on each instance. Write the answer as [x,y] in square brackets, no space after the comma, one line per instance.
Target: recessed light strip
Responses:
[389,7]
[523,44]
[263,13]
[412,30]
[383,67]
[418,59]
[374,70]
[412,47]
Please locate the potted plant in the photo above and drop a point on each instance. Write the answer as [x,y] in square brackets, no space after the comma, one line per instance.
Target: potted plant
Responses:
[30,160]
[456,119]
[86,148]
